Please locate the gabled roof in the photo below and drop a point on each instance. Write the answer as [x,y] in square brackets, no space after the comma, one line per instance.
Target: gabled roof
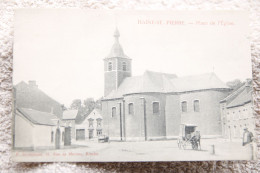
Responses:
[38,117]
[89,116]
[28,95]
[242,99]
[92,114]
[166,83]
[241,96]
[69,114]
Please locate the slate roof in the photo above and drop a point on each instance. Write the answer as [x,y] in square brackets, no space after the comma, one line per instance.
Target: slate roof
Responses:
[117,50]
[69,114]
[241,96]
[38,117]
[81,118]
[166,83]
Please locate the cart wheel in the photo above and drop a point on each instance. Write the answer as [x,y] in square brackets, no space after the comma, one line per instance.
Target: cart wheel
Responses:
[195,146]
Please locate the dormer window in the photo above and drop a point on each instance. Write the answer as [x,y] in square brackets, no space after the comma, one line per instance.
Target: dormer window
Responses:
[109,66]
[124,66]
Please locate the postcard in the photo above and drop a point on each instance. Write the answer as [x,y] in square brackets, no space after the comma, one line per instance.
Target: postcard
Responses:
[106,86]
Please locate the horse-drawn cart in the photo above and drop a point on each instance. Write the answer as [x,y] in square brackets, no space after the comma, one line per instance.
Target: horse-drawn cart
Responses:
[189,137]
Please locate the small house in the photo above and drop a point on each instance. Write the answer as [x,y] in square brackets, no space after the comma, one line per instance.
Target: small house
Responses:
[90,127]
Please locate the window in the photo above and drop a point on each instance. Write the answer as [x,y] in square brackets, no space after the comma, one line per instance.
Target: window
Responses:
[184,106]
[130,108]
[90,122]
[124,66]
[110,66]
[113,111]
[196,105]
[156,107]
[99,132]
[98,122]
[52,135]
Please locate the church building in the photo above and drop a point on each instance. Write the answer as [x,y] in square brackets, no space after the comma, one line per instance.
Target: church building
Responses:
[153,105]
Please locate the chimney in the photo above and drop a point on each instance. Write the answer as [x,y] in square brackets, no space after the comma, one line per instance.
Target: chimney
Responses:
[248,84]
[32,83]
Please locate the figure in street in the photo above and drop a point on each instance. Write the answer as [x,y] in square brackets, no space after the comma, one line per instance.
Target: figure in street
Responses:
[247,137]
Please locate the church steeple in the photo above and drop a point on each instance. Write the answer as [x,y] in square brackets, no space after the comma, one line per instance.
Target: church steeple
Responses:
[116,35]
[117,50]
[117,66]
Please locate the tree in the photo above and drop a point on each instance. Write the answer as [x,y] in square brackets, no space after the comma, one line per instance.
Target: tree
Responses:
[98,103]
[235,84]
[89,104]
[76,104]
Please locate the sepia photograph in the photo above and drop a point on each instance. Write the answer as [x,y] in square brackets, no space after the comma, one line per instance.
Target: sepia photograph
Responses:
[124,86]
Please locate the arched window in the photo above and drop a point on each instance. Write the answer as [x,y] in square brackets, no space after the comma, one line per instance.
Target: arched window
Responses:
[124,66]
[130,108]
[113,111]
[184,106]
[156,107]
[196,105]
[109,66]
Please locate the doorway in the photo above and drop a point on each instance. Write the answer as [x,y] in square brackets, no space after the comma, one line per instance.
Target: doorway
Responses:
[57,139]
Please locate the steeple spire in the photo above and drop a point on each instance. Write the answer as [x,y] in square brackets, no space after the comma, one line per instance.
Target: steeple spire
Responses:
[117,50]
[116,35]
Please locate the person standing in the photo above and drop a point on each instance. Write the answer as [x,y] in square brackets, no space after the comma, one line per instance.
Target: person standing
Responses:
[247,137]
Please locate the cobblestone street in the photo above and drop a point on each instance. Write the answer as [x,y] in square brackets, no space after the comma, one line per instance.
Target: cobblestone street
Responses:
[144,151]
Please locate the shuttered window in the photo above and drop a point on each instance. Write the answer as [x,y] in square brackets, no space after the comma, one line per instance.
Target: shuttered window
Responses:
[110,66]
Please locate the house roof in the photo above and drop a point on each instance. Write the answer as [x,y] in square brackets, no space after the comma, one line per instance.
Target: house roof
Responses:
[242,98]
[28,95]
[38,117]
[92,114]
[89,116]
[69,114]
[166,83]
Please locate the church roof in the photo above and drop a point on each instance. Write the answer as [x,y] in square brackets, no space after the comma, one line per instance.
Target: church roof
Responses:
[166,83]
[198,82]
[38,117]
[117,50]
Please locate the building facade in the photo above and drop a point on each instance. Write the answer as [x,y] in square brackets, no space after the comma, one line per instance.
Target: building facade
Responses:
[36,119]
[237,112]
[152,106]
[91,127]
[37,130]
[68,119]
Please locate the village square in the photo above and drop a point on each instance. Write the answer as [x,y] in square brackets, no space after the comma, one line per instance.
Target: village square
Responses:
[154,116]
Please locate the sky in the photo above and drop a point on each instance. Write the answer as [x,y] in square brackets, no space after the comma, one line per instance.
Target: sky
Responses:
[63,50]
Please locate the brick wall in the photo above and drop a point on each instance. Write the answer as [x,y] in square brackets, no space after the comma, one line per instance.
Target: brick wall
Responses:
[208,119]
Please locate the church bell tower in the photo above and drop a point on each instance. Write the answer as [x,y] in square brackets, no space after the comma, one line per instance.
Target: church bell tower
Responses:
[117,66]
